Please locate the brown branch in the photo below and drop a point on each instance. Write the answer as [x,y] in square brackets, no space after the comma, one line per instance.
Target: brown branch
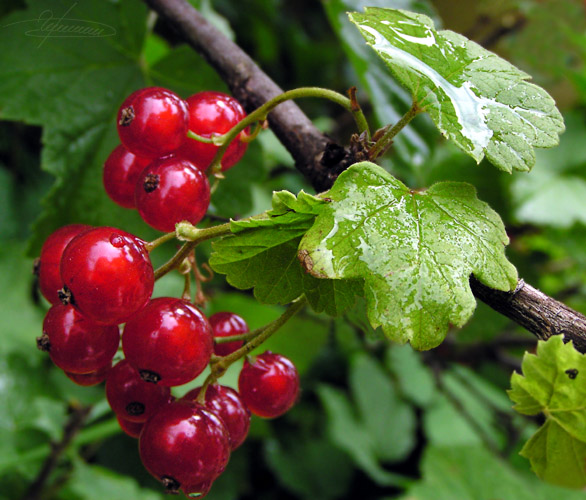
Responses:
[320,161]
[74,424]
[316,157]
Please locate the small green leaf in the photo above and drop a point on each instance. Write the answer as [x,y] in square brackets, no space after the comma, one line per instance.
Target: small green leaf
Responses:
[415,250]
[553,384]
[262,254]
[476,99]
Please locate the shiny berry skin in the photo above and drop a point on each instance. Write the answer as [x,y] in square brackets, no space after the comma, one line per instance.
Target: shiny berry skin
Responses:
[108,274]
[228,405]
[89,379]
[75,343]
[133,429]
[132,398]
[184,444]
[171,190]
[226,324]
[120,175]
[212,113]
[152,122]
[269,385]
[48,265]
[169,342]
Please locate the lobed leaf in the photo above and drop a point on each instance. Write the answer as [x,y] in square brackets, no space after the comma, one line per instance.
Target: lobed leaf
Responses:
[478,100]
[415,250]
[553,384]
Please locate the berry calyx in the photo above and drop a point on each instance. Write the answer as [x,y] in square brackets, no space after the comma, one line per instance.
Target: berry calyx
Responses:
[120,175]
[227,324]
[77,344]
[132,398]
[171,190]
[213,113]
[169,342]
[152,122]
[228,405]
[269,385]
[107,274]
[47,267]
[184,444]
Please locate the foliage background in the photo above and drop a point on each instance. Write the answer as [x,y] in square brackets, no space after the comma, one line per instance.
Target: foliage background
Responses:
[375,421]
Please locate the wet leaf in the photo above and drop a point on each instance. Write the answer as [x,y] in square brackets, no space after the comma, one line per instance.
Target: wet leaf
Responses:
[415,250]
[476,99]
[262,254]
[553,384]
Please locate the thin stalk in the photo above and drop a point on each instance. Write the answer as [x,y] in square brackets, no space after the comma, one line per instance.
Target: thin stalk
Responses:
[159,241]
[255,338]
[260,114]
[381,144]
[194,237]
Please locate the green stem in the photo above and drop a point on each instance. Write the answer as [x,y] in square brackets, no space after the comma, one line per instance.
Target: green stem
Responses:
[253,340]
[381,144]
[159,241]
[261,113]
[194,236]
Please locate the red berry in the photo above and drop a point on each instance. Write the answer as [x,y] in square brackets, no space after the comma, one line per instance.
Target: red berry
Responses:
[169,341]
[130,396]
[133,429]
[184,444]
[213,113]
[77,344]
[152,122]
[226,324]
[120,175]
[48,266]
[269,385]
[227,404]
[108,274]
[89,379]
[171,190]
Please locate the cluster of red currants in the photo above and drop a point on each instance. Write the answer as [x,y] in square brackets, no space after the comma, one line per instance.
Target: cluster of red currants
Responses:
[159,170]
[99,278]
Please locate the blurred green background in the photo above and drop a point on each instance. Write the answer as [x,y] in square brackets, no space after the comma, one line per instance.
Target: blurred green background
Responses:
[375,420]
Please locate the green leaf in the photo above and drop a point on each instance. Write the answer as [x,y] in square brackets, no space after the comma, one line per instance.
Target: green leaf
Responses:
[472,473]
[414,378]
[476,99]
[552,384]
[415,250]
[554,193]
[262,254]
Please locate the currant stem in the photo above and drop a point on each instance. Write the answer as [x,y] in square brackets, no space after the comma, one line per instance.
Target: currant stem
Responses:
[193,236]
[381,144]
[261,113]
[159,241]
[253,340]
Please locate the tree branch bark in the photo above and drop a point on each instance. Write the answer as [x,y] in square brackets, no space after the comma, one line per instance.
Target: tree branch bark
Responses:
[320,161]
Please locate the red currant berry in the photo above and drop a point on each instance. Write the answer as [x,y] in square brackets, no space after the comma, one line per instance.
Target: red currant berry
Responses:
[269,385]
[169,341]
[89,379]
[213,113]
[130,396]
[133,429]
[120,175]
[227,404]
[107,274]
[227,324]
[48,265]
[184,444]
[77,344]
[171,190]
[152,122]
